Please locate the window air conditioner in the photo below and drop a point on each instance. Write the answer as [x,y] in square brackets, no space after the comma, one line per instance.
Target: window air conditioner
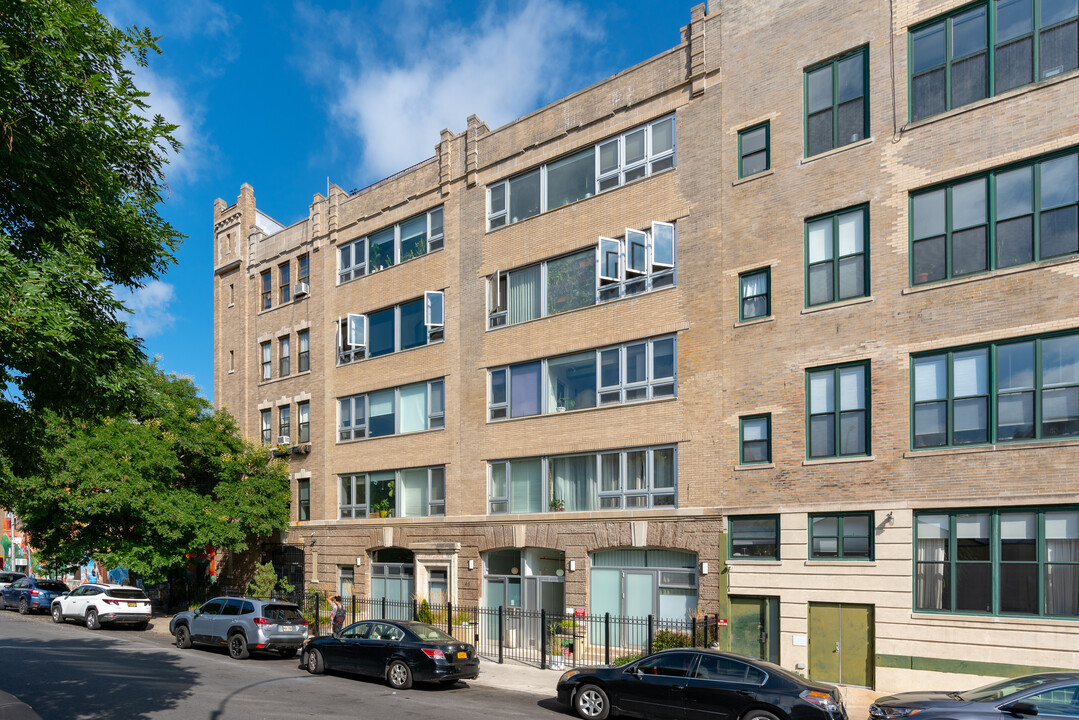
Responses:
[301,289]
[282,440]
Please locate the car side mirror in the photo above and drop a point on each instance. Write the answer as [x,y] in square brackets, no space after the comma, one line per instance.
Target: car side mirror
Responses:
[1021,708]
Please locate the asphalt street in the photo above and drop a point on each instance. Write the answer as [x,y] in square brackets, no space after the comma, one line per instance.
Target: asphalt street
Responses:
[66,672]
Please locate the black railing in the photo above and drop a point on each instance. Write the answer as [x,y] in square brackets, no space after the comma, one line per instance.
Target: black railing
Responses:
[533,637]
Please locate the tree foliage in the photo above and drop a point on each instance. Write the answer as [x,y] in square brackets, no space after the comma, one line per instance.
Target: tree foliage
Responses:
[265,582]
[140,491]
[80,181]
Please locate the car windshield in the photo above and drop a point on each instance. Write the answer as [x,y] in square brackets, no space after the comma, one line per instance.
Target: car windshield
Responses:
[283,614]
[997,690]
[51,586]
[127,593]
[10,577]
[429,633]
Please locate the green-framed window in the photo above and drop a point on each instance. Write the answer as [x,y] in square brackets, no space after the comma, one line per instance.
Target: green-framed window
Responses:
[755,439]
[754,150]
[836,102]
[1004,561]
[989,48]
[1011,216]
[755,294]
[837,261]
[754,537]
[838,420]
[848,536]
[303,495]
[1010,391]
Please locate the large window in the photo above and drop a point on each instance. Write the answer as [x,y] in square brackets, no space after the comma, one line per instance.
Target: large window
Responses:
[637,262]
[267,426]
[635,154]
[644,370]
[755,439]
[411,238]
[266,350]
[755,297]
[753,150]
[285,289]
[1025,389]
[405,409]
[416,492]
[637,478]
[303,412]
[967,55]
[303,359]
[838,411]
[1007,217]
[393,329]
[998,562]
[836,104]
[267,290]
[284,424]
[754,538]
[303,492]
[836,257]
[284,355]
[841,537]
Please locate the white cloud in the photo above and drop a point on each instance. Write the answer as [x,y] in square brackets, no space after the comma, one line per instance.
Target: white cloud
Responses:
[150,307]
[501,67]
[167,99]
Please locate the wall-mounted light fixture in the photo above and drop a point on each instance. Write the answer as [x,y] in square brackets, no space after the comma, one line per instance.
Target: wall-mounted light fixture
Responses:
[704,568]
[470,565]
[359,560]
[572,565]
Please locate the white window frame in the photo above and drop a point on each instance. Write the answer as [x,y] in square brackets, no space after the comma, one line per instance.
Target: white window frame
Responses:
[434,309]
[362,246]
[651,383]
[651,492]
[631,281]
[435,508]
[436,419]
[359,324]
[500,218]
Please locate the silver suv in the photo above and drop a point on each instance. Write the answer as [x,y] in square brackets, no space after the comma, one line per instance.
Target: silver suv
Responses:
[242,625]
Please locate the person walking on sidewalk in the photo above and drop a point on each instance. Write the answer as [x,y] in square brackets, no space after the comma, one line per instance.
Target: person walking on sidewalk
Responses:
[337,613]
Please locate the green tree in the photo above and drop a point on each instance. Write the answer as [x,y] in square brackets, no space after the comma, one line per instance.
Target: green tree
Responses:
[266,581]
[139,491]
[80,181]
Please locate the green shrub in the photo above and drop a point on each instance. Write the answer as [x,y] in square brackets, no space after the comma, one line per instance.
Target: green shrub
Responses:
[266,581]
[625,659]
[423,614]
[668,639]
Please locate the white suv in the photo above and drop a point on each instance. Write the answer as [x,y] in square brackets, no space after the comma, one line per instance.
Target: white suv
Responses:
[98,603]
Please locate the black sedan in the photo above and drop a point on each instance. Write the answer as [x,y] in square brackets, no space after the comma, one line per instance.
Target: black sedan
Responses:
[699,683]
[399,651]
[1053,695]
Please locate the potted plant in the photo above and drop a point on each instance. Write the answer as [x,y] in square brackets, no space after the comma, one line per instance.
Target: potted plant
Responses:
[381,508]
[558,504]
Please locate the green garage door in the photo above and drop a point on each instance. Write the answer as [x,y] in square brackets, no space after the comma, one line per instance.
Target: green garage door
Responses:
[841,643]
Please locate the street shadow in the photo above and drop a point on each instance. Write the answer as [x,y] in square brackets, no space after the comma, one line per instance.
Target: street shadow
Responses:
[553,705]
[91,678]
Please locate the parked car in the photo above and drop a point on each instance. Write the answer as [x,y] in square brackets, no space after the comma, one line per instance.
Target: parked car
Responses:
[97,604]
[242,625]
[6,578]
[1052,695]
[698,682]
[28,594]
[399,651]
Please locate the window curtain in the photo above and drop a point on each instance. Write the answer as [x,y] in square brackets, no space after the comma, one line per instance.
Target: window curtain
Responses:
[526,484]
[414,407]
[573,480]
[1062,563]
[753,285]
[414,492]
[525,295]
[932,555]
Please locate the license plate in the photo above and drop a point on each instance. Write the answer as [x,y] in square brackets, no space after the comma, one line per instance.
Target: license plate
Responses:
[286,628]
[462,655]
[132,604]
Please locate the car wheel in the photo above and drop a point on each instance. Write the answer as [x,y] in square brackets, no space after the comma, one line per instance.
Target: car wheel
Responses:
[759,715]
[288,652]
[24,609]
[183,637]
[399,675]
[57,614]
[92,623]
[315,666]
[238,647]
[591,703]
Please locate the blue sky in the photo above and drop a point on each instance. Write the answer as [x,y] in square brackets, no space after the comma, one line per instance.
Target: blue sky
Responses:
[283,95]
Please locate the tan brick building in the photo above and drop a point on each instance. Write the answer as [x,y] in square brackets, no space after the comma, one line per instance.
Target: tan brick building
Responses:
[780,324]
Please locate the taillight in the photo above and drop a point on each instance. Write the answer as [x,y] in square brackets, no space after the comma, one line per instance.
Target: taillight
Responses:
[304,621]
[35,592]
[109,601]
[434,653]
[263,621]
[821,700]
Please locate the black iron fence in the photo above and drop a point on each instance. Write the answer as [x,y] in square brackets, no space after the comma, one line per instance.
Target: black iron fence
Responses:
[533,637]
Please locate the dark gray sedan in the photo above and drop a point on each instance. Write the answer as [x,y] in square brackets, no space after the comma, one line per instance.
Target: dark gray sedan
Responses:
[1047,695]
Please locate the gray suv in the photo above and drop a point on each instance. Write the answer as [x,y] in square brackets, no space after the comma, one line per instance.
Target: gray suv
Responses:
[242,625]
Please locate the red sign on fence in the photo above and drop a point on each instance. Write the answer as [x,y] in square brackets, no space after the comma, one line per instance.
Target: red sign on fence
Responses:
[721,622]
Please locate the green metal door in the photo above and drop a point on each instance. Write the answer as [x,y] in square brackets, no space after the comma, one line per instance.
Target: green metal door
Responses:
[755,627]
[841,643]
